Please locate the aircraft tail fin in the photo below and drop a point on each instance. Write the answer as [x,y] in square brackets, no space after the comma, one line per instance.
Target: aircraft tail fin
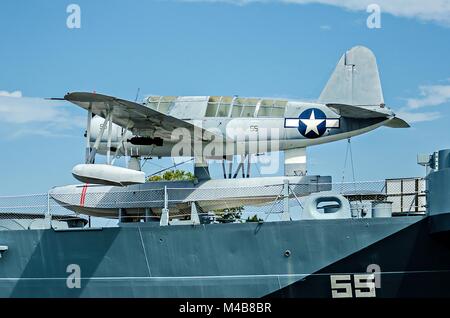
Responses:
[355,80]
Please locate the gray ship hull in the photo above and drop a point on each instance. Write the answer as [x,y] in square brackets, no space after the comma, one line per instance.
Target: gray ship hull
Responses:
[281,259]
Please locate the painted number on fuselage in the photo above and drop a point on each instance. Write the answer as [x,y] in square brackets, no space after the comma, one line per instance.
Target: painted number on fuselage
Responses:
[363,286]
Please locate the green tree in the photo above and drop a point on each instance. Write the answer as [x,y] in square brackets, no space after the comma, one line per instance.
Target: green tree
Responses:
[254,218]
[172,175]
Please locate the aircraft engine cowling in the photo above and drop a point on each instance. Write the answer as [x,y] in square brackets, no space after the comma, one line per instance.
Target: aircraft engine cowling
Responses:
[96,125]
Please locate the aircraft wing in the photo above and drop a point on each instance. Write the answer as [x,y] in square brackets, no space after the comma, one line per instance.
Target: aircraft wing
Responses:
[136,117]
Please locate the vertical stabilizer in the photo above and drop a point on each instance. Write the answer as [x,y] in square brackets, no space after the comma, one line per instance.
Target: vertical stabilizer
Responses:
[355,80]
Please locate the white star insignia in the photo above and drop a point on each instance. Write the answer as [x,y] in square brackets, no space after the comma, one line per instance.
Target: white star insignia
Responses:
[312,123]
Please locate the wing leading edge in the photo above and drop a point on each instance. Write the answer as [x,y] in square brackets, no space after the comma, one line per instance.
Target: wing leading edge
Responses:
[136,117]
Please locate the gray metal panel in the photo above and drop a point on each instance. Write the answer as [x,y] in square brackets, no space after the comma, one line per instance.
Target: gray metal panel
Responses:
[358,112]
[355,80]
[189,107]
[215,260]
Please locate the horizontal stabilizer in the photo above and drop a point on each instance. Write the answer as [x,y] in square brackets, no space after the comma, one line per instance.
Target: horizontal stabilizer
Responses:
[397,123]
[358,112]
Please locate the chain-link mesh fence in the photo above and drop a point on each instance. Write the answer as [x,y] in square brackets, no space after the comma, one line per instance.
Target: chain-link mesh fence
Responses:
[36,211]
[260,202]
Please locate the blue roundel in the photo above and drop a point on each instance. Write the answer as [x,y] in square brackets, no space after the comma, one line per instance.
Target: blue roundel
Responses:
[312,123]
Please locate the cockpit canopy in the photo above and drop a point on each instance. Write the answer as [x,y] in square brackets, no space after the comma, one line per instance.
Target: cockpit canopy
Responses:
[220,106]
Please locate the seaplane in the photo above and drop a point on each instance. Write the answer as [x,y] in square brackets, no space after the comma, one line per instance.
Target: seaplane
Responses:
[218,128]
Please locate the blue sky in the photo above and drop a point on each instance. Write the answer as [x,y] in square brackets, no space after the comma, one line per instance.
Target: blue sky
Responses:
[246,48]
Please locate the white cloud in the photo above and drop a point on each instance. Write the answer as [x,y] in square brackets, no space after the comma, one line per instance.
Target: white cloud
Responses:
[36,116]
[430,95]
[415,117]
[431,10]
[12,94]
[325,27]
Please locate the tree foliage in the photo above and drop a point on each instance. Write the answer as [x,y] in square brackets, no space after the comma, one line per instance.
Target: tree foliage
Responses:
[254,218]
[173,175]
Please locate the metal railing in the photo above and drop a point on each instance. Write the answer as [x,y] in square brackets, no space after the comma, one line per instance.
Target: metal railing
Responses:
[266,202]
